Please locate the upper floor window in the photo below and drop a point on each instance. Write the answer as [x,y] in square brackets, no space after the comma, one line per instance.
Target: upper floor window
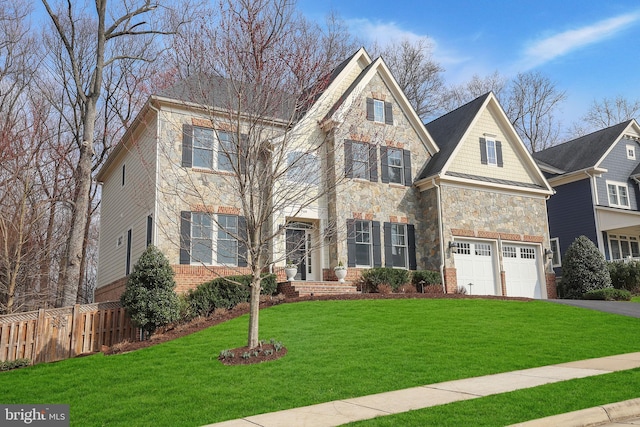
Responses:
[396,165]
[360,160]
[618,194]
[396,168]
[303,167]
[379,111]
[491,152]
[208,148]
[556,258]
[631,152]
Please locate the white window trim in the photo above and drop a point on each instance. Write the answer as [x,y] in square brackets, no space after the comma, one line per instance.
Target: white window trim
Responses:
[369,245]
[405,245]
[215,151]
[377,102]
[495,152]
[401,167]
[618,185]
[213,243]
[556,252]
[631,152]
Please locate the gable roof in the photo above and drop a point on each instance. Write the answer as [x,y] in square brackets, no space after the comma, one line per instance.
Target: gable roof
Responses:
[337,110]
[584,152]
[450,131]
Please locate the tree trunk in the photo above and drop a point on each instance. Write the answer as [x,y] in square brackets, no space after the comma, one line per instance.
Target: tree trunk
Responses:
[254,312]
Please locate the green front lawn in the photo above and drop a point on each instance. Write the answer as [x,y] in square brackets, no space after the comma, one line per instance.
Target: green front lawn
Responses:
[337,349]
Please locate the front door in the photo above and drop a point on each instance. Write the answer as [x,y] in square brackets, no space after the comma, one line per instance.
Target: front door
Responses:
[297,250]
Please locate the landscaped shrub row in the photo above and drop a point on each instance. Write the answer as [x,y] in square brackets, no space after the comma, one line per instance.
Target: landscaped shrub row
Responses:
[386,280]
[608,294]
[14,364]
[223,292]
[625,275]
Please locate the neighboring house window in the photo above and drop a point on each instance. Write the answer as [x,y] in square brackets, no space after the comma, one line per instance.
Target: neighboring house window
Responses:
[631,152]
[491,152]
[227,244]
[197,243]
[556,258]
[400,246]
[618,194]
[363,243]
[123,175]
[207,148]
[379,111]
[303,167]
[622,247]
[395,165]
[361,160]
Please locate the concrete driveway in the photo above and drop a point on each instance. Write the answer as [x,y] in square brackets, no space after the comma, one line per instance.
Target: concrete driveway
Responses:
[624,308]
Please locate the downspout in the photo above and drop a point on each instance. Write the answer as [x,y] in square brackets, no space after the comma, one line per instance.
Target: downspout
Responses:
[441,228]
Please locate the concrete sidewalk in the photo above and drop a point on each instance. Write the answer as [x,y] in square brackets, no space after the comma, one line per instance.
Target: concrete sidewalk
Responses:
[362,408]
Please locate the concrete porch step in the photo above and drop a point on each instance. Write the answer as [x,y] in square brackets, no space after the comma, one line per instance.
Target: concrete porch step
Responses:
[300,289]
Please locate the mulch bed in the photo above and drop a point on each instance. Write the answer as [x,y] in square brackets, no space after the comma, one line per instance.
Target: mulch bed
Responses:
[177,331]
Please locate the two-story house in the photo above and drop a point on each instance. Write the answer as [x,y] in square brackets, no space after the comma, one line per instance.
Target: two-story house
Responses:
[596,179]
[458,195]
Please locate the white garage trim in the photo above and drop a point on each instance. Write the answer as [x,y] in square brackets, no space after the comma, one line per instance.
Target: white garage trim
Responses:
[476,263]
[522,264]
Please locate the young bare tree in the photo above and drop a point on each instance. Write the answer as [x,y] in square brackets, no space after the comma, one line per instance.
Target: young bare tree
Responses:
[92,42]
[417,74]
[532,105]
[611,111]
[459,95]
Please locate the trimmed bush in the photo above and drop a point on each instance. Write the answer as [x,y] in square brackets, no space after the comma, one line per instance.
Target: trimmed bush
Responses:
[625,275]
[14,364]
[393,277]
[608,294]
[226,292]
[584,269]
[422,279]
[149,296]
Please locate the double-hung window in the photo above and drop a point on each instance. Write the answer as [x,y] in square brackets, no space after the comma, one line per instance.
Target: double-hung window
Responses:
[378,111]
[201,237]
[360,160]
[227,242]
[364,244]
[618,194]
[399,245]
[208,148]
[396,167]
[556,258]
[303,167]
[492,158]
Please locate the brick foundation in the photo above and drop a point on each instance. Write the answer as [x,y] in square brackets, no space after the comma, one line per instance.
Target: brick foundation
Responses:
[552,290]
[450,280]
[110,292]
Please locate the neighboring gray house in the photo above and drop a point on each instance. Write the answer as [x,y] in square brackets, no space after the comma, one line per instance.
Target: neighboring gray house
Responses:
[596,179]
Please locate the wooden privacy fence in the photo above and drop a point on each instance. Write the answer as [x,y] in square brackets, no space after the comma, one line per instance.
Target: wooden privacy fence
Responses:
[54,334]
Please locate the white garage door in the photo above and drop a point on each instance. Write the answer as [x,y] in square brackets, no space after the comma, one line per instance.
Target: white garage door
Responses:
[521,272]
[475,267]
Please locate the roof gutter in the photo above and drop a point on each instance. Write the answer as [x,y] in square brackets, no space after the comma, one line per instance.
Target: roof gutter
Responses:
[441,229]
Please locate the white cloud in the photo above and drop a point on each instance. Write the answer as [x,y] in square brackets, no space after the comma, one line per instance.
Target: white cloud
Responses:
[549,48]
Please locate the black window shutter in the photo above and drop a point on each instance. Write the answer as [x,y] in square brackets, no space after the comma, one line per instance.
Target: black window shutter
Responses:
[187,146]
[499,154]
[185,237]
[377,244]
[370,109]
[384,165]
[406,160]
[373,163]
[351,243]
[388,113]
[348,159]
[411,243]
[242,241]
[388,254]
[483,151]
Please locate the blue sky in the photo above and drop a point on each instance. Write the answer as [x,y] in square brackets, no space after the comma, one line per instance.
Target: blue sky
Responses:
[589,48]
